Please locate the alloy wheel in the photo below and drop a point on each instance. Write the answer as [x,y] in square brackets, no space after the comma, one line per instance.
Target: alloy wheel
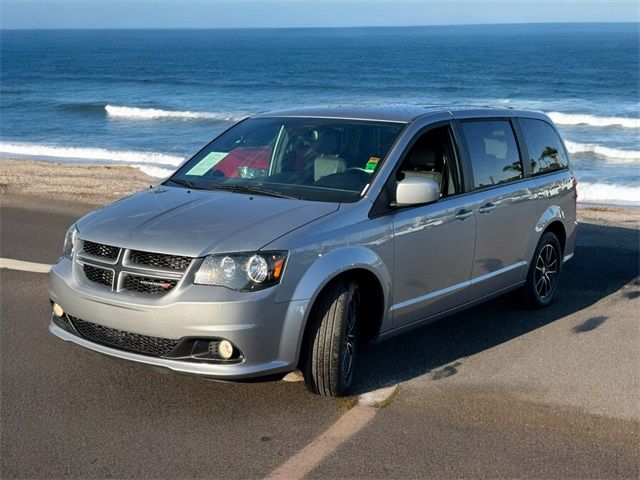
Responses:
[546,271]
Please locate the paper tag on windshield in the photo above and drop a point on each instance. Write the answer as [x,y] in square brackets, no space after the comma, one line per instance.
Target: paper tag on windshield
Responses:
[207,163]
[371,164]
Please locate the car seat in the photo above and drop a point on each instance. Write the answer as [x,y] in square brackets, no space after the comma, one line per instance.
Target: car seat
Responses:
[328,161]
[422,162]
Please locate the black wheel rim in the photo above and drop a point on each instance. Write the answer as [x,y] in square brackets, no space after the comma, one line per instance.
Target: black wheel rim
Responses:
[349,347]
[546,272]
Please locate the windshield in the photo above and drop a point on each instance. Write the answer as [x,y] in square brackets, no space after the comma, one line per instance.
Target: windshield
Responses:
[328,160]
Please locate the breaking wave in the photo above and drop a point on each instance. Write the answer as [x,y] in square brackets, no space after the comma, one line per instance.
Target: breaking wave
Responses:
[135,113]
[613,153]
[609,194]
[151,163]
[593,121]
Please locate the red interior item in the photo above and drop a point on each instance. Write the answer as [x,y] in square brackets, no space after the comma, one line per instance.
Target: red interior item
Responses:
[254,157]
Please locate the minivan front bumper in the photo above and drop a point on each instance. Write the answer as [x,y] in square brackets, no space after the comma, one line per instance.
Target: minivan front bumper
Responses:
[266,332]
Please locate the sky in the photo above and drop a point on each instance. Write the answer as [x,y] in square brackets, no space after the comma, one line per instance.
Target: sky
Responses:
[63,14]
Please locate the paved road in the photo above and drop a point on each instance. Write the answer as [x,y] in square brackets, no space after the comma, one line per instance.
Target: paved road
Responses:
[496,392]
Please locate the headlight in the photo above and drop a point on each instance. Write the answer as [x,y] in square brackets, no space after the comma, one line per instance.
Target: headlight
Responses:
[70,242]
[242,271]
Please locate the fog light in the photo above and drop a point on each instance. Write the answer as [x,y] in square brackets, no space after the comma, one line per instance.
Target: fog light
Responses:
[57,310]
[225,349]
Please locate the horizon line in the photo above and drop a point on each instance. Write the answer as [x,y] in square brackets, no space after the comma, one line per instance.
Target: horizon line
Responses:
[335,27]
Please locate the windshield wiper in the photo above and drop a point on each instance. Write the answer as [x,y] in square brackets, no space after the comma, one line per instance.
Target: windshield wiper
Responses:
[183,183]
[249,189]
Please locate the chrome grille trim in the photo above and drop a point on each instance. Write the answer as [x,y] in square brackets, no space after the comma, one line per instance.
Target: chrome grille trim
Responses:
[157,278]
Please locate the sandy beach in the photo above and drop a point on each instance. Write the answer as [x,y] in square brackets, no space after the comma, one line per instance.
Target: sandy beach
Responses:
[91,184]
[66,184]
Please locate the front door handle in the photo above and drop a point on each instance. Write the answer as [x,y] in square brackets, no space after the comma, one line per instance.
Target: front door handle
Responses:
[487,207]
[464,213]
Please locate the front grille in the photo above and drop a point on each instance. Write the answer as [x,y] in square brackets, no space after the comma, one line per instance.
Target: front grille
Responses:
[98,275]
[131,271]
[100,250]
[131,342]
[148,285]
[159,260]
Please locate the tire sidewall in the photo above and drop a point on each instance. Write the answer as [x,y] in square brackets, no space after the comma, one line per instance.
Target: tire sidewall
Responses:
[352,295]
[323,367]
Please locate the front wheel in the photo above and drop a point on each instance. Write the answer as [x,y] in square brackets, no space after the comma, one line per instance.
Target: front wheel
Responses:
[544,272]
[332,343]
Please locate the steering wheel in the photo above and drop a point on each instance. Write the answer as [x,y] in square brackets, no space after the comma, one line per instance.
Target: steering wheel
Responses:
[215,173]
[359,172]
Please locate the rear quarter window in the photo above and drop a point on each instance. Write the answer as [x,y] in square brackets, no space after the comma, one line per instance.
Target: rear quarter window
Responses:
[546,153]
[492,146]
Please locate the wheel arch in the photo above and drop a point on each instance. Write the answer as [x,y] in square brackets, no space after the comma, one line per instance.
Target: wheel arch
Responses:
[557,228]
[552,220]
[358,264]
[372,307]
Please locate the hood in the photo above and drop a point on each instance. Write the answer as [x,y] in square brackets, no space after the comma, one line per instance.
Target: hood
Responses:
[197,222]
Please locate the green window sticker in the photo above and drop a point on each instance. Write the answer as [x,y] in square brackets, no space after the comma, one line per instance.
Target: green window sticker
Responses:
[371,165]
[207,163]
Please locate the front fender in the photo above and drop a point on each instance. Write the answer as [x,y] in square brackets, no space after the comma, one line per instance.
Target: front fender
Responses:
[331,264]
[325,268]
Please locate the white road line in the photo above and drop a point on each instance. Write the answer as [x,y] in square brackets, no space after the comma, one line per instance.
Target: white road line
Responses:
[303,462]
[308,458]
[24,266]
[378,397]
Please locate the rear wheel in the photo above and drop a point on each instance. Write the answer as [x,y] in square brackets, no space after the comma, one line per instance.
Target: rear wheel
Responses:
[332,343]
[544,272]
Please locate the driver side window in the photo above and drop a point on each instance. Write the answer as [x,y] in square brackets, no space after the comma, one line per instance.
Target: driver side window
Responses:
[433,156]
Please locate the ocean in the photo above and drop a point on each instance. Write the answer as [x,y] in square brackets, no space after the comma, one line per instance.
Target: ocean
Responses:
[152,98]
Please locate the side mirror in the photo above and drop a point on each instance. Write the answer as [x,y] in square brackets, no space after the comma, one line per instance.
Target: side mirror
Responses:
[416,191]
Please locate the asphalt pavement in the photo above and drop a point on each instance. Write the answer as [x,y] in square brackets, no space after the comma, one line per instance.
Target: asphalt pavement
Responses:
[497,391]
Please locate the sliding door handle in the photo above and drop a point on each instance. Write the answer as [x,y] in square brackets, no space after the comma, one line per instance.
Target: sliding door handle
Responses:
[486,208]
[464,213]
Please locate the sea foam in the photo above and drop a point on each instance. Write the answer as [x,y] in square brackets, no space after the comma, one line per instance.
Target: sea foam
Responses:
[593,120]
[135,113]
[95,154]
[626,156]
[607,193]
[155,171]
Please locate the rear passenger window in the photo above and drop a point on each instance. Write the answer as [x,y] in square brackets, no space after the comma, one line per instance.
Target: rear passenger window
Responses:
[545,148]
[494,152]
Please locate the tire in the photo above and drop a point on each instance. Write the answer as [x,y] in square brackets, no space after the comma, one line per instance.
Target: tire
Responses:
[544,273]
[332,340]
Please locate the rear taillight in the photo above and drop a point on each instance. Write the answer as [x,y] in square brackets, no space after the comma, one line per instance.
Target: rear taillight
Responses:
[575,188]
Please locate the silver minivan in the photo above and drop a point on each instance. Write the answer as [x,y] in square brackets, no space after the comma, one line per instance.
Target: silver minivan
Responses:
[296,236]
